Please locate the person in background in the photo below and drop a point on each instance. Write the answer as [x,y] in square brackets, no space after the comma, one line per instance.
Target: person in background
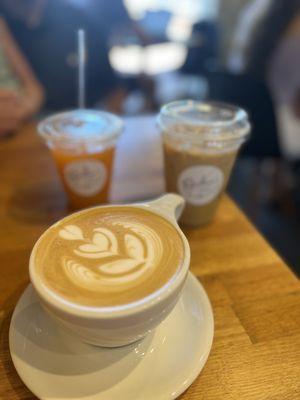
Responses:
[46,32]
[111,21]
[271,53]
[267,46]
[114,19]
[202,48]
[21,94]
[249,19]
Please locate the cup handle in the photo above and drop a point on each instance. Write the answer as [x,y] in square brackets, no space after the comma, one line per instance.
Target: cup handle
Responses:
[170,204]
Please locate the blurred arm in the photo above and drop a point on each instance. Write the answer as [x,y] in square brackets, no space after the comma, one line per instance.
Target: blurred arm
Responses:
[32,98]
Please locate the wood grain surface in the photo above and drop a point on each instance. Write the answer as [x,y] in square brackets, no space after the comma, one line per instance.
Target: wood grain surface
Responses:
[255,297]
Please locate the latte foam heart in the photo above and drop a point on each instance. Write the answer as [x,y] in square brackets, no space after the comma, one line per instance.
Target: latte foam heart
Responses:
[108,256]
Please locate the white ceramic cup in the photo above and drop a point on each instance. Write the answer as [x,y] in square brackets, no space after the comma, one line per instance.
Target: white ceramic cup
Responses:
[120,325]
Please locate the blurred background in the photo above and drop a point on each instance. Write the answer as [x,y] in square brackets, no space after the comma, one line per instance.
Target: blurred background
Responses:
[144,53]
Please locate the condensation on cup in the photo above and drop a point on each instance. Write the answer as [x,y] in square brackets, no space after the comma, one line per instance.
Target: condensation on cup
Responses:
[201,141]
[82,143]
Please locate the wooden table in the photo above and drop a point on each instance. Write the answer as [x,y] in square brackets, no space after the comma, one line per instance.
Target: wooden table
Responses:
[255,297]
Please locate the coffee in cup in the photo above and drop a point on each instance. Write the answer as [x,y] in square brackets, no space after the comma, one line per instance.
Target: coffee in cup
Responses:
[82,143]
[111,274]
[109,256]
[201,142]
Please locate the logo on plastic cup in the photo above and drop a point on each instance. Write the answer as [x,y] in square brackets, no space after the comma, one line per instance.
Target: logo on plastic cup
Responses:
[85,177]
[200,184]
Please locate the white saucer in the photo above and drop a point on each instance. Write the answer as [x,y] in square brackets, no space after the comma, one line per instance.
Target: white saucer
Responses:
[54,365]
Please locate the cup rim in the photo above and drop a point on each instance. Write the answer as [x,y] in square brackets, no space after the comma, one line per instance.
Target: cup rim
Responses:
[114,128]
[112,312]
[231,130]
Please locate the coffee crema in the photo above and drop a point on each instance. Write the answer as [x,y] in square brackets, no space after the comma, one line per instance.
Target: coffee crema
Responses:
[108,256]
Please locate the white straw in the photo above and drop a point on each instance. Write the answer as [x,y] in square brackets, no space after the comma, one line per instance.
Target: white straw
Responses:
[81,67]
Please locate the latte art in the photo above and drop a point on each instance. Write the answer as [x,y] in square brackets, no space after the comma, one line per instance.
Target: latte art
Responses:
[114,269]
[109,256]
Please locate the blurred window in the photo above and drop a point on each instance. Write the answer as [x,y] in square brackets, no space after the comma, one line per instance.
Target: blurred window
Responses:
[168,24]
[193,10]
[151,60]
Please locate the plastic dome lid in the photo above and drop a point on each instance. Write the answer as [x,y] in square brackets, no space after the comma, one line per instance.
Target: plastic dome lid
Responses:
[81,126]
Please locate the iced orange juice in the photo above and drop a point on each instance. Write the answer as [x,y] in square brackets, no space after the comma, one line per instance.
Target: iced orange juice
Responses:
[82,143]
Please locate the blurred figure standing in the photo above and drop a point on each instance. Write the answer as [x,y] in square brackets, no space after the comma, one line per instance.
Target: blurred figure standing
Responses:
[267,46]
[111,20]
[274,50]
[107,19]
[248,20]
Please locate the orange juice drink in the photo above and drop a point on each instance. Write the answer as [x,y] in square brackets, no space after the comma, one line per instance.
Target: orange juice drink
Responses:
[82,143]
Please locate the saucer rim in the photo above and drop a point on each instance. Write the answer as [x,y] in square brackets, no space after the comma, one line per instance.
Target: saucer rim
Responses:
[195,371]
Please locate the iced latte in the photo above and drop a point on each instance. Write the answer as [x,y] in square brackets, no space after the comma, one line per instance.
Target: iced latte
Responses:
[201,142]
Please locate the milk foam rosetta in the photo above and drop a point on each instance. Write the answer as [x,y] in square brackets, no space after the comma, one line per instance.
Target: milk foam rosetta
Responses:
[109,256]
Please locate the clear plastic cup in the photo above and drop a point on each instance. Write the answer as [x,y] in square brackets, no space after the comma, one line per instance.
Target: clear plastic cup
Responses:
[201,141]
[82,143]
